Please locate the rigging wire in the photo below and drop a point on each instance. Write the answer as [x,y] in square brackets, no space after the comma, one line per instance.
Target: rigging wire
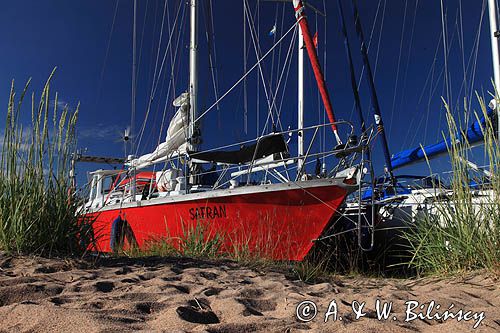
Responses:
[160,39]
[473,78]
[103,69]
[172,80]
[288,72]
[379,40]
[405,77]
[430,75]
[152,50]
[174,57]
[171,85]
[459,28]
[258,53]
[445,49]
[275,27]
[142,40]
[398,68]
[462,47]
[446,74]
[288,60]
[432,90]
[212,56]
[281,29]
[467,67]
[246,53]
[415,132]
[409,57]
[286,67]
[430,80]
[259,61]
[360,80]
[157,77]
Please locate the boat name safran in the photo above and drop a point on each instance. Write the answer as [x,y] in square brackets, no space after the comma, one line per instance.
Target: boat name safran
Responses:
[207,212]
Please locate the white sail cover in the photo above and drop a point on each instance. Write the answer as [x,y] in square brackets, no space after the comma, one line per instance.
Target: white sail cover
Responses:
[176,140]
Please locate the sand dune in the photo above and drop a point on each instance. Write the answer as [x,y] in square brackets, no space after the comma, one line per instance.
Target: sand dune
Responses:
[187,295]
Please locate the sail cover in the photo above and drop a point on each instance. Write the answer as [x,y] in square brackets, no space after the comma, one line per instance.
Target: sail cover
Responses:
[267,145]
[176,140]
[473,134]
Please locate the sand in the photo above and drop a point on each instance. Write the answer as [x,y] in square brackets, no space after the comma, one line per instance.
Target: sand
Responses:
[188,295]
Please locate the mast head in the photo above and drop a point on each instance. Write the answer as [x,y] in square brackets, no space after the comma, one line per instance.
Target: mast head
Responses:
[299,8]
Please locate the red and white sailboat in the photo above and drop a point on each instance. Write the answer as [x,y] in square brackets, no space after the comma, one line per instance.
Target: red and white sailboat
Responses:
[279,218]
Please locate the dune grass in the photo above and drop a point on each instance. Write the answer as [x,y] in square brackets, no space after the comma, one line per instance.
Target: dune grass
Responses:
[462,233]
[37,213]
[198,241]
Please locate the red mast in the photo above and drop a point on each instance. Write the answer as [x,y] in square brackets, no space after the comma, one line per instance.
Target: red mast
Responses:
[313,57]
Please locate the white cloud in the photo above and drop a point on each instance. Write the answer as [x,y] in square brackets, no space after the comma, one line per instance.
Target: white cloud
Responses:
[100,131]
[61,105]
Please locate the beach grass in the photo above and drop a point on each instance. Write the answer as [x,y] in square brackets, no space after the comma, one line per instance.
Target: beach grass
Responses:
[462,232]
[198,241]
[195,241]
[38,212]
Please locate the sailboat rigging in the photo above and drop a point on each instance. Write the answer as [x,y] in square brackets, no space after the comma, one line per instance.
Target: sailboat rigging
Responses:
[249,196]
[405,200]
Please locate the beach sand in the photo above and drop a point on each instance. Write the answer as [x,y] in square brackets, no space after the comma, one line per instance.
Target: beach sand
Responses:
[191,295]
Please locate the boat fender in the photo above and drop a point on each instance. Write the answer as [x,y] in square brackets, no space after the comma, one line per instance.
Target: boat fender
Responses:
[116,234]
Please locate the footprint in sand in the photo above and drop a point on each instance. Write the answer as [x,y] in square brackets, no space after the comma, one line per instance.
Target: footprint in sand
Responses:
[182,289]
[198,311]
[93,305]
[124,270]
[250,298]
[145,308]
[104,286]
[251,293]
[212,291]
[147,276]
[27,292]
[50,269]
[59,300]
[130,280]
[172,278]
[255,307]
[177,269]
[209,275]
[17,281]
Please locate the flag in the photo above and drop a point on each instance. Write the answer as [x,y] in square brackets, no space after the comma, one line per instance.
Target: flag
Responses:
[315,40]
[273,31]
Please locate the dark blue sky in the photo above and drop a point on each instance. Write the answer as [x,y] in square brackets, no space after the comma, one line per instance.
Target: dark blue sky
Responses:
[73,35]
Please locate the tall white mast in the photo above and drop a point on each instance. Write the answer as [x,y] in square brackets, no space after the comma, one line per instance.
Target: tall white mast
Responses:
[132,120]
[193,70]
[300,105]
[494,48]
[134,70]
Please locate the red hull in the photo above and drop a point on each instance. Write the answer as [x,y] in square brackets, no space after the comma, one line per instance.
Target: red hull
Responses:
[279,224]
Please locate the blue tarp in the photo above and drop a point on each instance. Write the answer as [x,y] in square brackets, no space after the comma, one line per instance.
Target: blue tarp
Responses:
[473,134]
